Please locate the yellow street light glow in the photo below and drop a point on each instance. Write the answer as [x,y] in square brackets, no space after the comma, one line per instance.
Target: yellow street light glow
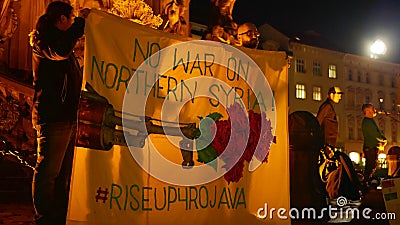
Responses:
[378,47]
[355,157]
[382,156]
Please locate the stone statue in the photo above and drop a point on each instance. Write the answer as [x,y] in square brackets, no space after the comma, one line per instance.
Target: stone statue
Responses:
[221,11]
[173,19]
[223,28]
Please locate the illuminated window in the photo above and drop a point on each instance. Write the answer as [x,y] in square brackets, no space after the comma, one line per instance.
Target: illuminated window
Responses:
[300,91]
[300,66]
[316,94]
[332,71]
[317,68]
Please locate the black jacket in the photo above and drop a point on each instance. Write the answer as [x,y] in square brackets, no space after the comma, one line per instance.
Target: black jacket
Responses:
[57,79]
[327,119]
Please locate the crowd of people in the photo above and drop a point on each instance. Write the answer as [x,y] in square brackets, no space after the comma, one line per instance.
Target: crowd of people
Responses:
[58,82]
[374,140]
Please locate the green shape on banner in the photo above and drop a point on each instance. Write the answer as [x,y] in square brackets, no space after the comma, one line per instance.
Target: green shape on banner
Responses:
[206,153]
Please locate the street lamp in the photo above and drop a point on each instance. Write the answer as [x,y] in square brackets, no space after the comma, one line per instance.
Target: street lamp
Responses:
[378,48]
[381,105]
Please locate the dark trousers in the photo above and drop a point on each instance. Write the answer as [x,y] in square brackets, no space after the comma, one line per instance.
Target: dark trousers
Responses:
[51,179]
[371,161]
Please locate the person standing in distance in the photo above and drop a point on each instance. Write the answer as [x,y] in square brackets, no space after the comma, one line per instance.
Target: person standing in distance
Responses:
[57,82]
[374,141]
[327,116]
[248,35]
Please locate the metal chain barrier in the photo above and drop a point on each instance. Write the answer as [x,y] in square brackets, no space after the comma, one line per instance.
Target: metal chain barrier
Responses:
[23,156]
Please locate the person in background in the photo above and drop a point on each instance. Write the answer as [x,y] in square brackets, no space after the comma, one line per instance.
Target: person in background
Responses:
[57,82]
[327,116]
[374,141]
[248,35]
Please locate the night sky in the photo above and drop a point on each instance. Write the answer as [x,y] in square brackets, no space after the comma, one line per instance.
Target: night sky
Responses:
[352,24]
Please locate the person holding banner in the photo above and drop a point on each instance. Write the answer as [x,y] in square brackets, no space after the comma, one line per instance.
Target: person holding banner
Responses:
[57,82]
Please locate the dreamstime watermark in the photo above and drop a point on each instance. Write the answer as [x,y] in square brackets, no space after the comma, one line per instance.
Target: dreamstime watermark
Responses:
[152,78]
[344,210]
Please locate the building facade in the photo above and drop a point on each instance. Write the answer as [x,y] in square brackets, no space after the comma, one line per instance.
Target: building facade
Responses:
[316,65]
[312,72]
[373,81]
[364,80]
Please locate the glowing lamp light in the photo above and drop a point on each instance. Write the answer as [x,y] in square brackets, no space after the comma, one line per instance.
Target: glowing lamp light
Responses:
[378,48]
[382,160]
[355,157]
[382,156]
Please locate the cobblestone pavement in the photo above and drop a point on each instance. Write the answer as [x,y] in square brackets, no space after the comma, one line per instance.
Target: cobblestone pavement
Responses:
[19,211]
[16,205]
[16,214]
[15,193]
